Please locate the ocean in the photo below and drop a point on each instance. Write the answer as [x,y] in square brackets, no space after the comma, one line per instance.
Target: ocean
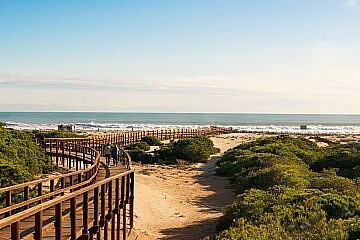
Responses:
[106,121]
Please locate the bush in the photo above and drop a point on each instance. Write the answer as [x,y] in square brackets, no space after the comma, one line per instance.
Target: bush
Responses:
[20,158]
[344,157]
[294,176]
[140,145]
[139,155]
[329,181]
[197,149]
[283,213]
[56,134]
[282,198]
[152,141]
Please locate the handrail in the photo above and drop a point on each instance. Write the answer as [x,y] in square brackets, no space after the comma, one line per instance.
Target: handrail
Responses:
[53,177]
[75,180]
[46,196]
[25,214]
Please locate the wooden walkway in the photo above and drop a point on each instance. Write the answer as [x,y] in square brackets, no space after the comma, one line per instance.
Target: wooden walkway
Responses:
[27,230]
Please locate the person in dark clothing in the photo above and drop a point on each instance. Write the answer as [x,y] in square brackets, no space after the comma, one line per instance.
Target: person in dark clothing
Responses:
[115,154]
[107,153]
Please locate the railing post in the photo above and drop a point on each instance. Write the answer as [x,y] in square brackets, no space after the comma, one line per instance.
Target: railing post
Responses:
[123,206]
[26,196]
[117,208]
[8,202]
[85,231]
[127,189]
[62,183]
[71,182]
[39,191]
[76,158]
[63,154]
[52,187]
[79,179]
[69,157]
[57,153]
[38,224]
[132,181]
[73,217]
[58,221]
[15,230]
[50,142]
[102,207]
[110,199]
[84,158]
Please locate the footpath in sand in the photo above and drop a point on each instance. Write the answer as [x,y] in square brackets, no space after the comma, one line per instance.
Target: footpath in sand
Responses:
[182,203]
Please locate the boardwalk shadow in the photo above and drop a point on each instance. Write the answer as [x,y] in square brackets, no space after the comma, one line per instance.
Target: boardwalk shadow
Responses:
[215,203]
[193,232]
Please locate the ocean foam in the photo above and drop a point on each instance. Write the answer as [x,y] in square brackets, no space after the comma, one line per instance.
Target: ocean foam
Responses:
[94,126]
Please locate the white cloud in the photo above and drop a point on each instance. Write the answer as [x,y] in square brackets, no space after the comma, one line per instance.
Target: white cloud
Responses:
[351,3]
[296,90]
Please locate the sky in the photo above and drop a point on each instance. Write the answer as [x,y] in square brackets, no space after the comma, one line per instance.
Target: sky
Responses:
[240,56]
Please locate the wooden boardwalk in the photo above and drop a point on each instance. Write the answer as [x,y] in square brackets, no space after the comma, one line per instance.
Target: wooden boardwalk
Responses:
[27,230]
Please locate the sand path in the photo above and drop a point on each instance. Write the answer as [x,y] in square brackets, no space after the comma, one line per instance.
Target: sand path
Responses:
[182,203]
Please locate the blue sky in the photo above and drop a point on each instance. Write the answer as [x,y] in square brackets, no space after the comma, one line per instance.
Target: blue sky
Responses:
[180,56]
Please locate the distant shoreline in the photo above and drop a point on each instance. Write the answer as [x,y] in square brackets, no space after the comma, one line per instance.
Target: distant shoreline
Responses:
[257,123]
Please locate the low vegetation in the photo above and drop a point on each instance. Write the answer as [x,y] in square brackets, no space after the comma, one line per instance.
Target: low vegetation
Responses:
[56,134]
[20,158]
[289,188]
[152,140]
[190,150]
[138,152]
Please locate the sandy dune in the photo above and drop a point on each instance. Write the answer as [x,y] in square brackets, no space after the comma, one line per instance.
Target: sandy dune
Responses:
[182,203]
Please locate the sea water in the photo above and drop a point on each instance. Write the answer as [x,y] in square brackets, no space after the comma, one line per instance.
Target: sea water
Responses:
[106,121]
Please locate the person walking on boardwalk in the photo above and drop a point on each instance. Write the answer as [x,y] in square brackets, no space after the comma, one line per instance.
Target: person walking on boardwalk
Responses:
[115,154]
[107,153]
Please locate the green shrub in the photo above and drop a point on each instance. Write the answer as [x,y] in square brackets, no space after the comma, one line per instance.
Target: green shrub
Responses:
[165,154]
[139,155]
[20,158]
[294,176]
[197,149]
[56,134]
[282,198]
[329,181]
[151,140]
[140,145]
[344,157]
[283,213]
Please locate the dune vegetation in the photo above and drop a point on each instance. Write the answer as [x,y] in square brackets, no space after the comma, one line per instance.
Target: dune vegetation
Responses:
[290,188]
[187,150]
[20,158]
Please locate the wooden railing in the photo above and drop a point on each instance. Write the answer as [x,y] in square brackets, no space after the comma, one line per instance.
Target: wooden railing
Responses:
[55,185]
[105,206]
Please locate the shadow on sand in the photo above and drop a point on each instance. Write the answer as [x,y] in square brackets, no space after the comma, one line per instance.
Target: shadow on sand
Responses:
[215,203]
